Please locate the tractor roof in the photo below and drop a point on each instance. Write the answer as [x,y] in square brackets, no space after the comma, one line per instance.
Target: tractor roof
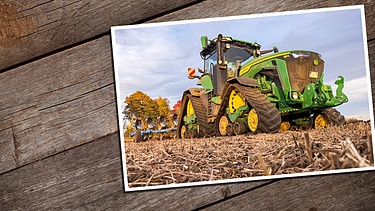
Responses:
[211,44]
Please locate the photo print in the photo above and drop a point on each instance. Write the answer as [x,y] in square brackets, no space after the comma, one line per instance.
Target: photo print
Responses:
[243,98]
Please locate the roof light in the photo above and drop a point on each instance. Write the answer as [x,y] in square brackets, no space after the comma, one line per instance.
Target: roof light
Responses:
[300,54]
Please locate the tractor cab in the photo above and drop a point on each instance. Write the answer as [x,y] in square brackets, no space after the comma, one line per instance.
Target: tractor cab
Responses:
[222,60]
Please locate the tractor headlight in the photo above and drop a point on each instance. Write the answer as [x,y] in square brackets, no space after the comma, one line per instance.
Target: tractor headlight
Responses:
[294,95]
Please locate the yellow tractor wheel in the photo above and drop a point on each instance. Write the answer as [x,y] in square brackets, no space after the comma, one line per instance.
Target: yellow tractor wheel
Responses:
[284,126]
[223,123]
[321,121]
[189,108]
[236,101]
[252,120]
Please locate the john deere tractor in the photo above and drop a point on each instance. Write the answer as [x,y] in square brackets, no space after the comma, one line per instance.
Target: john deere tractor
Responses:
[244,89]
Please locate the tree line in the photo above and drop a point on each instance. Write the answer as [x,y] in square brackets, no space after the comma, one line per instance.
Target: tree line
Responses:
[139,106]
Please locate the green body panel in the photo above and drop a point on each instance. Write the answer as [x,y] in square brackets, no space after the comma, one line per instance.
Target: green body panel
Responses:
[249,66]
[235,116]
[290,80]
[340,96]
[206,82]
[191,122]
[216,100]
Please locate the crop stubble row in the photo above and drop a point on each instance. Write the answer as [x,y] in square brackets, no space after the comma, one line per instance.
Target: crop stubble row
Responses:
[205,159]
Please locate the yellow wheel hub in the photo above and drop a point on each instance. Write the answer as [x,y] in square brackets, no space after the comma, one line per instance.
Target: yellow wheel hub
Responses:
[285,126]
[252,120]
[321,121]
[236,100]
[189,109]
[223,123]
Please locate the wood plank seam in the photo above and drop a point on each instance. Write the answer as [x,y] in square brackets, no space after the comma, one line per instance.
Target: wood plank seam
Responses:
[77,98]
[236,195]
[60,152]
[36,6]
[59,50]
[16,152]
[91,38]
[168,12]
[120,194]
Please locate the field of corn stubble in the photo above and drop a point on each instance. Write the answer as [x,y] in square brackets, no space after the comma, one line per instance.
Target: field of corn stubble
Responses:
[158,162]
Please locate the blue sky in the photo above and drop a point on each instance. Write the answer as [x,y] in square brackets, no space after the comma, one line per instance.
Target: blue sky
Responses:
[154,58]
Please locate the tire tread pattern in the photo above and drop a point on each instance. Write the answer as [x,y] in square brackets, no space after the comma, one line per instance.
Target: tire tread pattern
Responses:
[269,118]
[336,117]
[205,128]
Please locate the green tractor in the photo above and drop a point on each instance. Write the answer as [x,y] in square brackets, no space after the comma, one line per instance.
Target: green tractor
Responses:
[246,90]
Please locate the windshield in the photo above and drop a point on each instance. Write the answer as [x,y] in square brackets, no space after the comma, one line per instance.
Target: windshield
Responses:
[235,53]
[232,55]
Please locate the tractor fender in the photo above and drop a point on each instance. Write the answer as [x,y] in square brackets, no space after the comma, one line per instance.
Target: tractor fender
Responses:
[244,81]
[196,92]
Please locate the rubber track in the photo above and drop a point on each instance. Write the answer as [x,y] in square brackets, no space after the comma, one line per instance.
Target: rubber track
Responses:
[336,117]
[268,116]
[182,114]
[205,128]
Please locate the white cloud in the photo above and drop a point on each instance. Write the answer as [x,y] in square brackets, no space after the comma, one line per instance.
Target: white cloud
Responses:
[357,90]
[155,59]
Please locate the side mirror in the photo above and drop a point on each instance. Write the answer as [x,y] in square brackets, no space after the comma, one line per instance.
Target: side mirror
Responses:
[275,49]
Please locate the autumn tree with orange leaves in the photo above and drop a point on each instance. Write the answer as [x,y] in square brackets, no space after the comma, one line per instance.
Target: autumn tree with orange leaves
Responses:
[140,106]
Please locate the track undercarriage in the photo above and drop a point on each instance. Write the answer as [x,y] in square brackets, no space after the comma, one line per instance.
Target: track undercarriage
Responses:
[246,110]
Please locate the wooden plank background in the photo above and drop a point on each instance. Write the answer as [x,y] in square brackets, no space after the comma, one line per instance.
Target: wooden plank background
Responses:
[59,141]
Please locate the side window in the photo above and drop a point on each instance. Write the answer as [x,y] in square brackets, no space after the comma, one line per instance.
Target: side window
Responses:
[231,67]
[210,62]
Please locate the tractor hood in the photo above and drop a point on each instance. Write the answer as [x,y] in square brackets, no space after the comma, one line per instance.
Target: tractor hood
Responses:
[249,65]
[300,73]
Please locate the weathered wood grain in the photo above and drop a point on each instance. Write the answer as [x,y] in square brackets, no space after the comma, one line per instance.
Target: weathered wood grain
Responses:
[69,175]
[54,111]
[46,114]
[352,191]
[57,103]
[222,8]
[29,29]
[90,177]
[71,178]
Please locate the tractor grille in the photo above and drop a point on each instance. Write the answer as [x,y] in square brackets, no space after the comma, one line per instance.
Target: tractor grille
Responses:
[302,70]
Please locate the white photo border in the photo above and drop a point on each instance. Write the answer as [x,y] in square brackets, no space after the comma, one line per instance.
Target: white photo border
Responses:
[176,185]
